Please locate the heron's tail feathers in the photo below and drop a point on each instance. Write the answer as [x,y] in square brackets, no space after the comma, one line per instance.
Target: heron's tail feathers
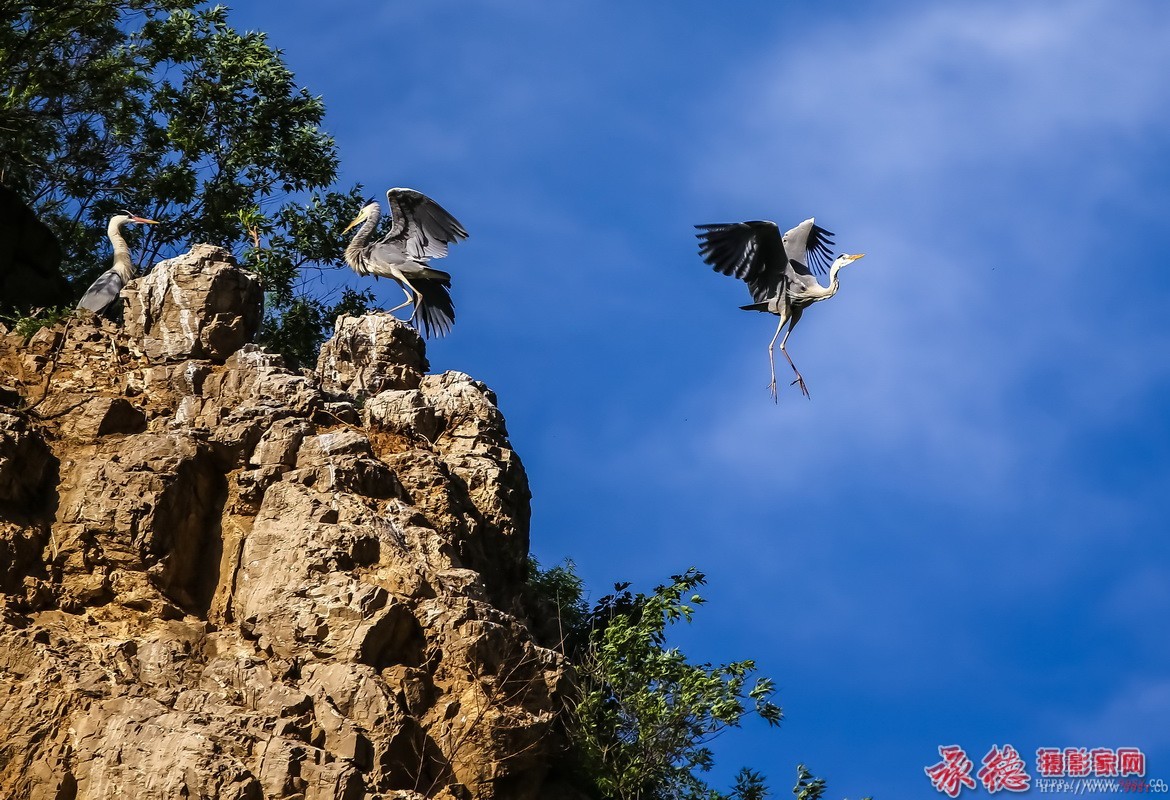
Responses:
[756,307]
[435,313]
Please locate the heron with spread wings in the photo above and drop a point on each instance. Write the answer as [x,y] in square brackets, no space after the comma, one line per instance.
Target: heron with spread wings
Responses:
[104,291]
[776,270]
[421,229]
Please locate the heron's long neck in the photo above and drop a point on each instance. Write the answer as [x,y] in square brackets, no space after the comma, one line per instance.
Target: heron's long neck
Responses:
[354,253]
[834,283]
[825,292]
[122,263]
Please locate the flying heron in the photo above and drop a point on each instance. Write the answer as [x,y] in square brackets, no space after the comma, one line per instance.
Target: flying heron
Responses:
[776,270]
[421,230]
[104,291]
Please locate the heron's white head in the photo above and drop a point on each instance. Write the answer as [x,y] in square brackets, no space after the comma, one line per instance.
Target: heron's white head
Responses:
[845,259]
[368,210]
[123,217]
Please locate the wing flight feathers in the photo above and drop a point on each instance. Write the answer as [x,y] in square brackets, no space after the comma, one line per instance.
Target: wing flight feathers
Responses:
[810,245]
[421,227]
[751,251]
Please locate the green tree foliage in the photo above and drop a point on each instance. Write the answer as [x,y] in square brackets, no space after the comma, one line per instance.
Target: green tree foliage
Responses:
[557,599]
[644,714]
[161,107]
[808,787]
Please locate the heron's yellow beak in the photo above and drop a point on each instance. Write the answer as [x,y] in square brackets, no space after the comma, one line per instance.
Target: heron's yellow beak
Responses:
[144,220]
[858,255]
[356,220]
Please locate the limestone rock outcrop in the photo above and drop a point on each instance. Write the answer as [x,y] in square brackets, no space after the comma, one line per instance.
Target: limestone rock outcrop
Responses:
[197,305]
[220,578]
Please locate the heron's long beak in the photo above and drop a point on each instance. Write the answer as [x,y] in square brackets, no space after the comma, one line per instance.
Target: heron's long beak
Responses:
[144,220]
[858,255]
[356,220]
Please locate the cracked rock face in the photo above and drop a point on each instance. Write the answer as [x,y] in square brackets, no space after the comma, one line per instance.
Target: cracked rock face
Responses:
[197,305]
[223,579]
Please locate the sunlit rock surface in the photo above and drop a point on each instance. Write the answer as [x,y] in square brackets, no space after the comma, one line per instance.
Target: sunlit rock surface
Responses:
[224,579]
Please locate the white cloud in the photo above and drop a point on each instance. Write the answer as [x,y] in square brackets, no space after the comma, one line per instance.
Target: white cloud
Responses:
[938,87]
[939,140]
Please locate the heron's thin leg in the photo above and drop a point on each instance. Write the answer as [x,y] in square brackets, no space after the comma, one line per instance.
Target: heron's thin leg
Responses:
[772,359]
[117,359]
[417,301]
[410,298]
[799,378]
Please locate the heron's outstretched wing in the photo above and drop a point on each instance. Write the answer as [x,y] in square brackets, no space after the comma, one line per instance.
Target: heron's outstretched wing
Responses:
[751,251]
[808,244]
[102,292]
[422,227]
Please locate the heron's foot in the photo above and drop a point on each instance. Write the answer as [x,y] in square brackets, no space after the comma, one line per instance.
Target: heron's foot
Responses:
[803,388]
[772,391]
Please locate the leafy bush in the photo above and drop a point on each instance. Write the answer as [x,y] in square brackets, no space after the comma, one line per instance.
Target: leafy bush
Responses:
[645,713]
[39,318]
[642,719]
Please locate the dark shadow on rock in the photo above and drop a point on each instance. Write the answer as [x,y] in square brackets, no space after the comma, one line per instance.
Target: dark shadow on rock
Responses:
[191,510]
[30,260]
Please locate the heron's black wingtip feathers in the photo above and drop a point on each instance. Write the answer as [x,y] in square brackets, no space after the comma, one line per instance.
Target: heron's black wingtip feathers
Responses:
[739,249]
[421,226]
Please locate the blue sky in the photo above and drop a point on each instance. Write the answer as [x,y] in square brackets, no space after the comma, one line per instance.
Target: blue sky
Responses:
[962,537]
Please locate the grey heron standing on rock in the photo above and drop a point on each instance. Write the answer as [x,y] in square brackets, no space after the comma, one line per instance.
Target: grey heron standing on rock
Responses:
[776,270]
[421,230]
[104,291]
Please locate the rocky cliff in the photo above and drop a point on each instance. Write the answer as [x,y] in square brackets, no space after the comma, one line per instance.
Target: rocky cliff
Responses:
[220,578]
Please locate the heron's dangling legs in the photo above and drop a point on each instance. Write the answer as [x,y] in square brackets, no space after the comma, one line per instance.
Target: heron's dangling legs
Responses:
[772,358]
[799,378]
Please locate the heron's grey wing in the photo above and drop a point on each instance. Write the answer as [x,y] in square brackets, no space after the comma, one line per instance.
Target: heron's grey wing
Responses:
[387,253]
[102,292]
[423,227]
[809,245]
[751,251]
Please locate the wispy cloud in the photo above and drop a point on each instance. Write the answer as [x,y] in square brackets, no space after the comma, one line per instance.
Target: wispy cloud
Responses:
[943,140]
[915,94]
